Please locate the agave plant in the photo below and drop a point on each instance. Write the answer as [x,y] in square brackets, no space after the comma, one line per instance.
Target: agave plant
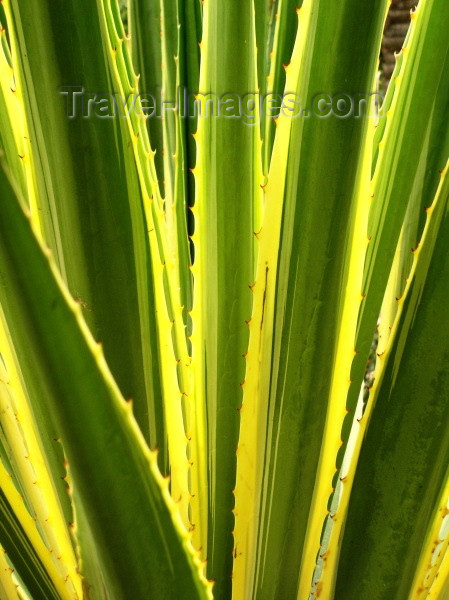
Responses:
[206,219]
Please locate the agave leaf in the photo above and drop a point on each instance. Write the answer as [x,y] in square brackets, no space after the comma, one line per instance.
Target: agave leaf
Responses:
[388,213]
[408,120]
[97,233]
[28,468]
[171,330]
[175,172]
[25,548]
[402,470]
[103,445]
[305,314]
[227,177]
